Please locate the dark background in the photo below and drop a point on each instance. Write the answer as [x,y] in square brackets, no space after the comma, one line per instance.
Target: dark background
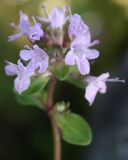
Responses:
[25,132]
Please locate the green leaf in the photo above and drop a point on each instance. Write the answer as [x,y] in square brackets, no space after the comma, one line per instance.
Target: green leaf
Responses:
[26,100]
[35,95]
[30,100]
[61,70]
[37,84]
[75,129]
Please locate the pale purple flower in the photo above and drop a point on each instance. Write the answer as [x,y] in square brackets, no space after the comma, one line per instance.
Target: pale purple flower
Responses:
[80,53]
[23,73]
[37,58]
[56,19]
[77,26]
[33,32]
[97,84]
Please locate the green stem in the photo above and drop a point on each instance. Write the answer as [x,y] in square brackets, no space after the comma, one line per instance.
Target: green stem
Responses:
[50,110]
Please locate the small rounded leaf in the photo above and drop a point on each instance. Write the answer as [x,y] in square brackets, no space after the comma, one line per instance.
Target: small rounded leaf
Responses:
[75,129]
[29,100]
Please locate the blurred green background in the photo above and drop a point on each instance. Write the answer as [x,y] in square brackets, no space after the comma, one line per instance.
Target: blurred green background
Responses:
[25,132]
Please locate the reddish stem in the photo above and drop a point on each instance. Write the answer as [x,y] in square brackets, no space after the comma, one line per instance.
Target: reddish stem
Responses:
[50,110]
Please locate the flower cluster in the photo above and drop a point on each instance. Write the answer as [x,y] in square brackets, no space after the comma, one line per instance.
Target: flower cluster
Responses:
[61,36]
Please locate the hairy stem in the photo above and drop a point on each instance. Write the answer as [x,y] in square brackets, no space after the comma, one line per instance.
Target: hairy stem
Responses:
[50,110]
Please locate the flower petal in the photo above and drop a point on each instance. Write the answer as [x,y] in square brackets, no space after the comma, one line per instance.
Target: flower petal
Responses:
[77,26]
[87,36]
[83,65]
[24,24]
[91,54]
[30,69]
[90,93]
[103,76]
[57,17]
[35,32]
[78,42]
[102,86]
[21,84]
[70,58]
[14,36]
[90,79]
[26,54]
[11,69]
[43,66]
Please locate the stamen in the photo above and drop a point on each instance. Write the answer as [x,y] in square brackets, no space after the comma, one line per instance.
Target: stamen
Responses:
[27,47]
[69,9]
[34,19]
[95,42]
[45,11]
[116,80]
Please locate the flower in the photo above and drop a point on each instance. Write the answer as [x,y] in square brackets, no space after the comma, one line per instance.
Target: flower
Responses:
[23,73]
[97,84]
[33,32]
[38,58]
[56,19]
[80,53]
[77,26]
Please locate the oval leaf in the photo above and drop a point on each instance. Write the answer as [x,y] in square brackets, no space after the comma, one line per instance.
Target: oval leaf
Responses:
[29,100]
[75,129]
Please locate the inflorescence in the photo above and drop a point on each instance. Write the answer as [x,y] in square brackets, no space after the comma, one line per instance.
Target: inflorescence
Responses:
[61,36]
